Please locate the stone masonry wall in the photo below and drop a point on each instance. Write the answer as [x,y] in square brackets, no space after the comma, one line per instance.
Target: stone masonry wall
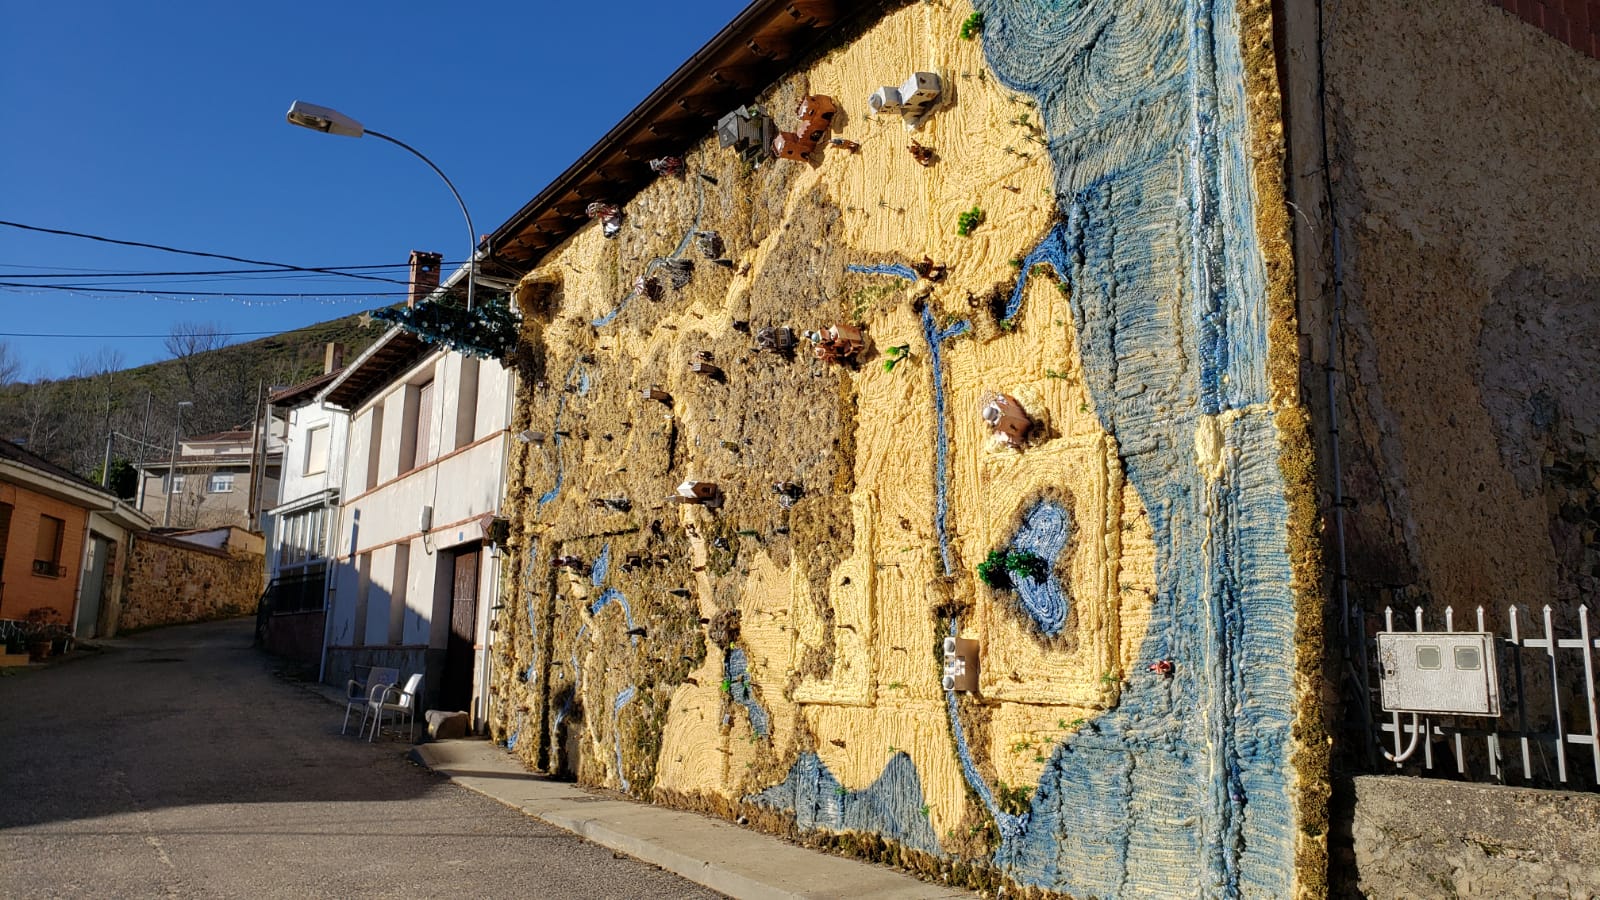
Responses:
[171,583]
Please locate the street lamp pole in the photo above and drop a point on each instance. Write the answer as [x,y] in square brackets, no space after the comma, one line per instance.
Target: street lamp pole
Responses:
[328,121]
[172,463]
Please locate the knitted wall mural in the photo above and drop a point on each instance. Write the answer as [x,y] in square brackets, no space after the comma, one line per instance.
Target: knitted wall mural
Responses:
[991,355]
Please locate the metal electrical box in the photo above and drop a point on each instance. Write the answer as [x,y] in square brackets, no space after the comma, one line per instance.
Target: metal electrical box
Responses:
[1448,673]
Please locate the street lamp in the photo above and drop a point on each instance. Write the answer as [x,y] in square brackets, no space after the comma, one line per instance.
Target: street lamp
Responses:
[172,463]
[329,121]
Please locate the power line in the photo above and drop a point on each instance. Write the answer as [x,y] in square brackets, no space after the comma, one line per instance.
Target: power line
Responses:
[90,289]
[36,334]
[73,272]
[201,253]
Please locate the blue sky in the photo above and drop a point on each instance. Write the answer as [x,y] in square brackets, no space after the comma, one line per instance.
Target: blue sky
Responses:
[164,123]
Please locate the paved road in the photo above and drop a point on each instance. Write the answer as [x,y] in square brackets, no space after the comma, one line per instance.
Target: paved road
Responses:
[175,763]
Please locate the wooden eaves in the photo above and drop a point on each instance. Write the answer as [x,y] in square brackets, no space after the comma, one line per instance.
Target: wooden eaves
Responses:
[757,47]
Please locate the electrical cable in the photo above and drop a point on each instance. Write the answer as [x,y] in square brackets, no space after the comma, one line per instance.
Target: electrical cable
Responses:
[71,272]
[40,334]
[201,253]
[108,290]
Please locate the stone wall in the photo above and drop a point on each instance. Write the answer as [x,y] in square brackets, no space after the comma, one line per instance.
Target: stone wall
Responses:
[1423,838]
[170,582]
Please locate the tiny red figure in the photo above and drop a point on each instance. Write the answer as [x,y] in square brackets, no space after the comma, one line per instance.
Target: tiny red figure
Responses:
[1162,667]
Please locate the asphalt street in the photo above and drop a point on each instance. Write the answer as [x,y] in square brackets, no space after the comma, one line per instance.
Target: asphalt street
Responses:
[176,763]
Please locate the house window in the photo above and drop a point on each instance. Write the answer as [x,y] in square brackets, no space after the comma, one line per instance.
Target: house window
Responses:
[221,483]
[174,484]
[420,449]
[47,547]
[466,424]
[317,450]
[5,532]
[374,445]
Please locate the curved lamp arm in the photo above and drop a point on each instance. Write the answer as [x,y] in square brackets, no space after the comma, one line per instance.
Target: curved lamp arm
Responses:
[472,233]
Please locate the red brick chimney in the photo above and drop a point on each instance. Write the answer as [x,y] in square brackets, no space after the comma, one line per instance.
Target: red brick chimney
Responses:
[424,274]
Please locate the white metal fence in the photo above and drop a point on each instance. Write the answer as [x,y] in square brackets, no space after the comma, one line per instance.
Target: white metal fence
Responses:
[1547,683]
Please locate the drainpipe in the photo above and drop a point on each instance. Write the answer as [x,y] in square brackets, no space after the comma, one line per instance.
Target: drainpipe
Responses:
[500,502]
[1352,622]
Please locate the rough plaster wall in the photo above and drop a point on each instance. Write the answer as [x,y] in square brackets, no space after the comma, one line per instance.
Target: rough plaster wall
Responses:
[1435,839]
[1128,286]
[1470,289]
[170,584]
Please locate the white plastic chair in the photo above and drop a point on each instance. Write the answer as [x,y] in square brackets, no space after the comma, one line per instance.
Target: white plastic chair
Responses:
[396,702]
[357,694]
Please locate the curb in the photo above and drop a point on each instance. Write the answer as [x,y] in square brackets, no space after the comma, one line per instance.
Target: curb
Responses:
[713,853]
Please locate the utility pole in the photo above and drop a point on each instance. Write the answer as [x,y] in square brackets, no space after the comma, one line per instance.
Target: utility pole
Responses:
[172,463]
[257,458]
[105,470]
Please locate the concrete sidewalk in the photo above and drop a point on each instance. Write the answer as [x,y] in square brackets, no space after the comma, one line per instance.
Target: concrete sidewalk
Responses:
[737,861]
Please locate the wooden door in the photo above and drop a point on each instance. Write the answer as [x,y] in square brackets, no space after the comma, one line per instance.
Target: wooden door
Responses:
[456,689]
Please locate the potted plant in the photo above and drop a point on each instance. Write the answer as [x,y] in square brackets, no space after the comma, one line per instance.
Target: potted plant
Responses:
[41,628]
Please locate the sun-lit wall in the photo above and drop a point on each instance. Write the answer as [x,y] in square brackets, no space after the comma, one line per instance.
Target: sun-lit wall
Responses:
[1089,223]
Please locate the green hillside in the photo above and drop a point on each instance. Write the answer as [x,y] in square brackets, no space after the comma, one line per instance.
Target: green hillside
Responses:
[66,420]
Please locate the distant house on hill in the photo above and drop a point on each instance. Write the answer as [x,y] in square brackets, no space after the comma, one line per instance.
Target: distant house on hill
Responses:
[216,479]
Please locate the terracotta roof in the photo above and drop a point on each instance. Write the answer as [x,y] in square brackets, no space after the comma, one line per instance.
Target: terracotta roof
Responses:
[383,362]
[758,46]
[221,437]
[304,392]
[34,461]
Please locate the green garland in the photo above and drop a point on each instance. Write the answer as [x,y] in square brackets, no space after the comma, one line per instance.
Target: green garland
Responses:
[489,332]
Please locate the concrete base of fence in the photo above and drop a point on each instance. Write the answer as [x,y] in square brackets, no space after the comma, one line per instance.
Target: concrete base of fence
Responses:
[1420,837]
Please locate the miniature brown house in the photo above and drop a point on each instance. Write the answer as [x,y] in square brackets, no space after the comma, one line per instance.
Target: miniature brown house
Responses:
[701,367]
[1008,420]
[816,117]
[700,493]
[657,394]
[839,344]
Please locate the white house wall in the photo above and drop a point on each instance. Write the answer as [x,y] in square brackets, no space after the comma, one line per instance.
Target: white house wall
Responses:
[295,482]
[461,482]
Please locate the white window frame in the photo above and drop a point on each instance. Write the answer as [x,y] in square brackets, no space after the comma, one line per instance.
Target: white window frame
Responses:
[317,463]
[175,484]
[216,479]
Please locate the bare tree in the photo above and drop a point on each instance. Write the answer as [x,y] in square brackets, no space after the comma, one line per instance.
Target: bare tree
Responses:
[10,364]
[188,342]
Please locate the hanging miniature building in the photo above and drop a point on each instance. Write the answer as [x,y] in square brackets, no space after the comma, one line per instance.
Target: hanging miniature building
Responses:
[778,340]
[670,166]
[1007,419]
[710,244]
[701,367]
[911,100]
[749,131]
[656,394]
[699,493]
[816,114]
[679,271]
[839,344]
